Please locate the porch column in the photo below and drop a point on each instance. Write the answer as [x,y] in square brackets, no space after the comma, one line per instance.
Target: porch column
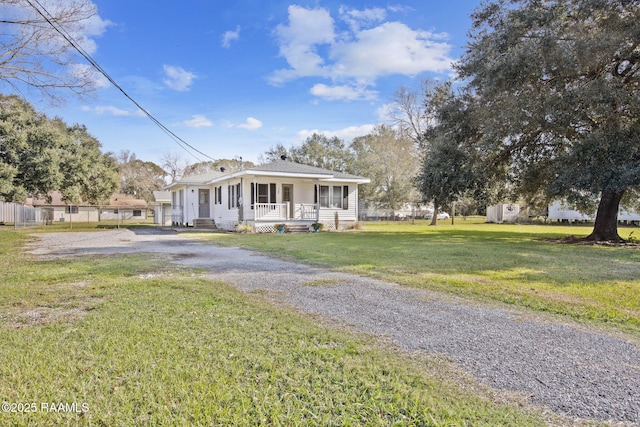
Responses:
[318,201]
[255,199]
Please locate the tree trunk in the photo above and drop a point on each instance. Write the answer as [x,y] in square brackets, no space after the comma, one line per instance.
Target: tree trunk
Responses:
[434,220]
[606,226]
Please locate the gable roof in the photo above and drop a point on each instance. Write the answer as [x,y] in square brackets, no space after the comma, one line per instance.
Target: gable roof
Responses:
[56,200]
[285,168]
[196,179]
[161,196]
[126,201]
[277,168]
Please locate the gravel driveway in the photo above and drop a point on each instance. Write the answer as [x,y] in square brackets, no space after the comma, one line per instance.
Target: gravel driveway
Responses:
[569,369]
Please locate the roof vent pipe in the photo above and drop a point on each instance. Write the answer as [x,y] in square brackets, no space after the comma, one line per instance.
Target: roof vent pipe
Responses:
[222,169]
[283,157]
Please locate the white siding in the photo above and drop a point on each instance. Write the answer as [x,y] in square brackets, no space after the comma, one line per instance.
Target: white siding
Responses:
[562,211]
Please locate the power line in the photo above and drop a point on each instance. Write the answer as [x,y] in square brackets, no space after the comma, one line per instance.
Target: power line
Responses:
[42,11]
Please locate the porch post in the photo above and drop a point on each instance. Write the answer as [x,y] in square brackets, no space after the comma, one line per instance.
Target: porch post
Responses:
[318,201]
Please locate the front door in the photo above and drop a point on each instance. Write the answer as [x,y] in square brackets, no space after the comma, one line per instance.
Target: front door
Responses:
[203,203]
[287,197]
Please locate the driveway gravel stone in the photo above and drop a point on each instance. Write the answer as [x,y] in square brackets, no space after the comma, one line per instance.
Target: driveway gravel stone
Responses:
[567,368]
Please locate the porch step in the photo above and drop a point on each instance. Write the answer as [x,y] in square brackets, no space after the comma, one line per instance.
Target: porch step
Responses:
[298,228]
[204,223]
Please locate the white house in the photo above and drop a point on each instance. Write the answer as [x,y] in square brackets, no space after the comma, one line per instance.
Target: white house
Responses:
[280,192]
[162,207]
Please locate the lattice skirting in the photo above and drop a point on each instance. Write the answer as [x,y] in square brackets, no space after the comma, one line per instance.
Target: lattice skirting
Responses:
[265,228]
[270,228]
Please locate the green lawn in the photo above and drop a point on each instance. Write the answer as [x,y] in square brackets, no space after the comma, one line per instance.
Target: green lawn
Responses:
[503,262]
[135,341]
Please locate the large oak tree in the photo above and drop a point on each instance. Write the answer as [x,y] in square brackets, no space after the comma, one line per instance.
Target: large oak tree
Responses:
[39,155]
[558,86]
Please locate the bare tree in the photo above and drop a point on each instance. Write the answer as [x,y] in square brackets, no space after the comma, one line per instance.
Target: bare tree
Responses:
[411,113]
[34,53]
[174,166]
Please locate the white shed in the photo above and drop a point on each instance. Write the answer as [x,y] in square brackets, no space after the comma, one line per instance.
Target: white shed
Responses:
[503,212]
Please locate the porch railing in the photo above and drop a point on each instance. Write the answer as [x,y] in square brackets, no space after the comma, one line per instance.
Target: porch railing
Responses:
[281,212]
[307,212]
[176,215]
[271,211]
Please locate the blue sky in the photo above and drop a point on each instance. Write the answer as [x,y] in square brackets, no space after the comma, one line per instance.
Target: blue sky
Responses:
[235,78]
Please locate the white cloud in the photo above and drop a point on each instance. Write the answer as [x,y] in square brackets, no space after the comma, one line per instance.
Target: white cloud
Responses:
[391,48]
[385,112]
[354,58]
[87,72]
[91,28]
[307,30]
[230,36]
[114,111]
[197,121]
[177,78]
[357,18]
[251,124]
[347,134]
[343,92]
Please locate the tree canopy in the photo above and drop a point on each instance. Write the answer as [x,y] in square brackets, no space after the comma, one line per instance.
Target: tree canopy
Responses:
[451,167]
[138,177]
[557,87]
[390,160]
[39,155]
[317,150]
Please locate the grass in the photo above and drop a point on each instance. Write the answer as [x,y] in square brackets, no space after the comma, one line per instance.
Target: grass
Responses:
[134,341]
[513,264]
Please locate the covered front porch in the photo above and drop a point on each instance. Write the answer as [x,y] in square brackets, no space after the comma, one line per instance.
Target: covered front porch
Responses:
[285,212]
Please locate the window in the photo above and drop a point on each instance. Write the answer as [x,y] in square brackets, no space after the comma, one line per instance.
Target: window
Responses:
[137,212]
[266,193]
[115,211]
[263,193]
[231,200]
[217,195]
[234,196]
[324,196]
[334,197]
[71,209]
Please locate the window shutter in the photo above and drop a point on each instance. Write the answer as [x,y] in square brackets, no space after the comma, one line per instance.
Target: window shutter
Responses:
[345,197]
[253,195]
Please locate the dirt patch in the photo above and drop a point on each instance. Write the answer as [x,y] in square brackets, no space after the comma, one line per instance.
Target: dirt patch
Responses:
[574,240]
[20,317]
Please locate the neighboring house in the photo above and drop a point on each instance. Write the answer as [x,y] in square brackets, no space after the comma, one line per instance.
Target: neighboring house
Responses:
[123,206]
[58,210]
[280,192]
[503,212]
[162,207]
[562,211]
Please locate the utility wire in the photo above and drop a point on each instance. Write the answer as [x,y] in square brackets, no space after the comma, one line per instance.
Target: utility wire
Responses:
[42,11]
